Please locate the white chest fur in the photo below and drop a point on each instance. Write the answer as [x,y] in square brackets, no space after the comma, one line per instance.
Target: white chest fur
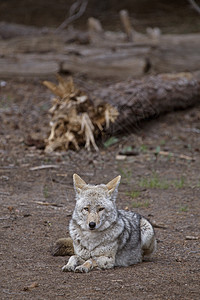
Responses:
[93,244]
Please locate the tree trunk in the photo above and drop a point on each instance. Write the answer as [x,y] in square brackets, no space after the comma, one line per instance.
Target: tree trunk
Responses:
[137,100]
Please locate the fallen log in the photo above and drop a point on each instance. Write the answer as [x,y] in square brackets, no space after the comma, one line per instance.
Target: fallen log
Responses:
[94,64]
[79,118]
[109,58]
[109,65]
[137,100]
[27,66]
[10,30]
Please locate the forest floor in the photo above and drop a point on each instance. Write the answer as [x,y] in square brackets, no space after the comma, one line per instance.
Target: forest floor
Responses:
[161,182]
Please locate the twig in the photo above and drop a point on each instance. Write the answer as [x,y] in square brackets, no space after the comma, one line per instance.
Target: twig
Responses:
[191,237]
[4,218]
[44,167]
[7,167]
[73,15]
[31,286]
[126,24]
[183,156]
[48,204]
[194,5]
[157,225]
[4,193]
[195,130]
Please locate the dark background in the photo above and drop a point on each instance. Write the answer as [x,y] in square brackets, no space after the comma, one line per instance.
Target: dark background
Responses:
[171,16]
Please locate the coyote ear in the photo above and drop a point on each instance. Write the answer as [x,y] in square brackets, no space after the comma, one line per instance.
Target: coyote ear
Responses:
[78,183]
[113,187]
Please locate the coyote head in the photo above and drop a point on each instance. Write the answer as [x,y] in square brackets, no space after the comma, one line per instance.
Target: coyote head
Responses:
[95,204]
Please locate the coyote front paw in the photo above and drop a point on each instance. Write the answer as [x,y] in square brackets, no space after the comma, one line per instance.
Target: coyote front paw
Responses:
[73,262]
[68,268]
[87,266]
[82,269]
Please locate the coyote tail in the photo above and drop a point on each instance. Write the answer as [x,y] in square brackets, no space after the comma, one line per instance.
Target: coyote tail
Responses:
[63,247]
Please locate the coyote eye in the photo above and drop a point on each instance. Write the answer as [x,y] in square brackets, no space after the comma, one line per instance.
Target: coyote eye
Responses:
[101,208]
[86,208]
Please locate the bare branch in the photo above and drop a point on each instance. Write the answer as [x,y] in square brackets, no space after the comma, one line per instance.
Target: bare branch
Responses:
[124,16]
[76,11]
[194,5]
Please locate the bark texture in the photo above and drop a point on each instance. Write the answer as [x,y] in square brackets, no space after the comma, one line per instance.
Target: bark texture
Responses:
[137,100]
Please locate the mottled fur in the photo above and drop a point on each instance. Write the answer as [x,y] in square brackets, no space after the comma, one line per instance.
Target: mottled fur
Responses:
[103,236]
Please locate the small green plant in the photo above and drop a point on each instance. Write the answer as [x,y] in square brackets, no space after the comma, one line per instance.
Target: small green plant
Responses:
[6,102]
[162,142]
[44,107]
[137,204]
[133,194]
[183,208]
[45,192]
[143,148]
[127,149]
[47,160]
[154,182]
[169,157]
[179,184]
[111,141]
[198,184]
[126,175]
[157,151]
[189,147]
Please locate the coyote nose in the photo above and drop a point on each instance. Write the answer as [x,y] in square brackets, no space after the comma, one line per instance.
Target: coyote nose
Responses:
[92,225]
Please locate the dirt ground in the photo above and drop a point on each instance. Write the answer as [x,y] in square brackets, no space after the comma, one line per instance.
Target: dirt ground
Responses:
[162,182]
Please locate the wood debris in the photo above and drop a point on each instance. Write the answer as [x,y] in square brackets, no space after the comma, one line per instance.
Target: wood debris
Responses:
[42,167]
[31,286]
[158,225]
[191,237]
[76,119]
[47,204]
[182,156]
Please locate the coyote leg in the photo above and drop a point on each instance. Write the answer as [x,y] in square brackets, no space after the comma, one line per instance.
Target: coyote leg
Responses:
[105,262]
[73,262]
[87,266]
[148,240]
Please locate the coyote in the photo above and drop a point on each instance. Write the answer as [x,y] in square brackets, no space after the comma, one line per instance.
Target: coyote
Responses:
[103,236]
